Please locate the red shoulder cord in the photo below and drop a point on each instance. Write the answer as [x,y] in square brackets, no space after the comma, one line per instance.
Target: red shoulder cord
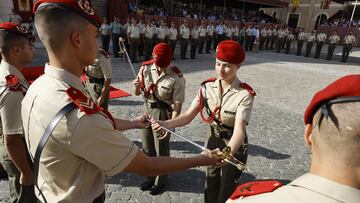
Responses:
[151,89]
[211,117]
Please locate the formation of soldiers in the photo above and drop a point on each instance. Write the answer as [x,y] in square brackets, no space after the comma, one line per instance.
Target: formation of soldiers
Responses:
[204,37]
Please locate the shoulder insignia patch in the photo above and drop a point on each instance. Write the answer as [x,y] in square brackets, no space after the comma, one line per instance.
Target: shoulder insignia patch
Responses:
[255,188]
[149,62]
[248,88]
[104,53]
[177,71]
[209,80]
[85,104]
[13,83]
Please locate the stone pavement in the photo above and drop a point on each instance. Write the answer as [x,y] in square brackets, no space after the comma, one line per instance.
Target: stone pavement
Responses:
[284,86]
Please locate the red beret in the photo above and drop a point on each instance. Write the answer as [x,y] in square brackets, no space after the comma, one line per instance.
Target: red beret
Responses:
[347,86]
[14,28]
[81,7]
[230,51]
[162,55]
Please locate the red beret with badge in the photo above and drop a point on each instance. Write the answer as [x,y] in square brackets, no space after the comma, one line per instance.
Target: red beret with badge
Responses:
[14,28]
[230,51]
[81,7]
[162,55]
[343,90]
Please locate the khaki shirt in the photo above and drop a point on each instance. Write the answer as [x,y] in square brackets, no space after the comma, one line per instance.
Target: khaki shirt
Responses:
[170,88]
[202,31]
[274,32]
[160,32]
[134,31]
[229,31]
[281,34]
[302,36]
[173,33]
[105,29]
[248,32]
[195,33]
[311,37]
[349,39]
[150,31]
[321,37]
[235,102]
[334,39]
[141,28]
[10,101]
[184,32]
[210,30]
[82,150]
[308,188]
[264,32]
[235,31]
[269,32]
[290,37]
[101,68]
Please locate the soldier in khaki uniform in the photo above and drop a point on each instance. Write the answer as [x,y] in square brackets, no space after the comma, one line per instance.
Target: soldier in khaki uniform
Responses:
[281,34]
[173,35]
[273,37]
[86,142]
[194,41]
[209,37]
[162,87]
[17,51]
[289,39]
[161,33]
[202,37]
[184,39]
[333,41]
[310,41]
[149,39]
[100,74]
[349,41]
[328,135]
[133,33]
[300,41]
[263,37]
[228,104]
[320,40]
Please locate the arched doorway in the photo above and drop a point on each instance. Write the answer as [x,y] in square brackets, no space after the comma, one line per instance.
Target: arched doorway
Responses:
[274,16]
[321,19]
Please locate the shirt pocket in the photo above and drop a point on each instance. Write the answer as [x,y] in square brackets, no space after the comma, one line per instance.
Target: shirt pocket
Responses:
[165,90]
[228,117]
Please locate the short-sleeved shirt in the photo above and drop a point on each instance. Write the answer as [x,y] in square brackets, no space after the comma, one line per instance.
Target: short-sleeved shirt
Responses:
[184,32]
[160,32]
[349,39]
[150,31]
[105,29]
[311,37]
[134,31]
[308,188]
[334,39]
[210,30]
[302,36]
[82,149]
[235,102]
[101,68]
[202,32]
[10,101]
[173,33]
[195,33]
[321,37]
[117,28]
[170,88]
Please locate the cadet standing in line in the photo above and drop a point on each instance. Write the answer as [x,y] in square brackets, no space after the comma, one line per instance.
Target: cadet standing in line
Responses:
[142,37]
[280,39]
[333,41]
[228,31]
[173,35]
[248,38]
[149,39]
[87,143]
[327,136]
[310,41]
[228,104]
[202,37]
[263,37]
[242,35]
[273,37]
[194,41]
[300,41]
[105,31]
[184,34]
[235,32]
[349,41]
[161,33]
[209,37]
[100,74]
[17,51]
[162,87]
[289,39]
[269,36]
[134,40]
[220,32]
[320,40]
[116,29]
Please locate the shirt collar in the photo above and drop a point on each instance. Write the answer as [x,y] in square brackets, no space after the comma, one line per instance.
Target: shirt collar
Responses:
[9,69]
[234,86]
[65,76]
[340,192]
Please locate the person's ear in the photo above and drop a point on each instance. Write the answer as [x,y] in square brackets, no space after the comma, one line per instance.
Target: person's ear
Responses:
[75,39]
[308,134]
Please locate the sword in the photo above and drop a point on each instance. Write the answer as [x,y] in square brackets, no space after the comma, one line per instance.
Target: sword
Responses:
[224,155]
[124,51]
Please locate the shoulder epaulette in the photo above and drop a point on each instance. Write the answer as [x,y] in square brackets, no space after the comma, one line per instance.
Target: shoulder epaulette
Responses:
[248,88]
[13,83]
[209,80]
[255,188]
[85,104]
[177,71]
[104,53]
[149,62]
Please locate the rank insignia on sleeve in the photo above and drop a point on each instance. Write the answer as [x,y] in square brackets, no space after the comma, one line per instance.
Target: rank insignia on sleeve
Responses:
[85,104]
[149,62]
[13,83]
[255,188]
[177,71]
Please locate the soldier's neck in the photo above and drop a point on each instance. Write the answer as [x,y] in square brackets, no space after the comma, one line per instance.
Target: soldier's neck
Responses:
[14,62]
[66,63]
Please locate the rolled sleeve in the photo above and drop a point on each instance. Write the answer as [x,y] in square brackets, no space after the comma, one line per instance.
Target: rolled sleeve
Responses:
[244,109]
[96,141]
[195,101]
[11,114]
[179,91]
